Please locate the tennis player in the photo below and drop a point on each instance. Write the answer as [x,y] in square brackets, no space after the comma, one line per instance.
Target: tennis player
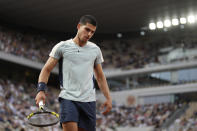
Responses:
[78,59]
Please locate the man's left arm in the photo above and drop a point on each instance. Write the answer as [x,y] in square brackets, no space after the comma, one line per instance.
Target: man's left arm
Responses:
[102,83]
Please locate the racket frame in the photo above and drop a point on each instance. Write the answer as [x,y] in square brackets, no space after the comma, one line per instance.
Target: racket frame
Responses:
[42,110]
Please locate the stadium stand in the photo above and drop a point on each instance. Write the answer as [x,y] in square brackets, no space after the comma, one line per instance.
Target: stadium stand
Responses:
[17,101]
[28,45]
[188,121]
[138,116]
[17,97]
[122,54]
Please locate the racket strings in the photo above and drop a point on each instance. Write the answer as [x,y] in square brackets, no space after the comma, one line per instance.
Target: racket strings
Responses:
[43,119]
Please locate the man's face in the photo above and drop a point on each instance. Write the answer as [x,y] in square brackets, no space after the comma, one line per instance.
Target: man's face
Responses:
[85,32]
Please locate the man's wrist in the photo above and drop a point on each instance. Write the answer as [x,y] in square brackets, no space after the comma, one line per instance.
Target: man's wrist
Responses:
[109,99]
[41,87]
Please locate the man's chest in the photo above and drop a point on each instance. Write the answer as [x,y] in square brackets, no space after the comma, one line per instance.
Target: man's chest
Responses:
[80,55]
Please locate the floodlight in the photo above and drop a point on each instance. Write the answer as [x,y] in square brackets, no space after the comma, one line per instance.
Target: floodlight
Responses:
[183,20]
[175,21]
[191,19]
[167,23]
[152,26]
[159,24]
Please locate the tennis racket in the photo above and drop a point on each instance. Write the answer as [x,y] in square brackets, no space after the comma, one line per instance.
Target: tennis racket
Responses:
[43,117]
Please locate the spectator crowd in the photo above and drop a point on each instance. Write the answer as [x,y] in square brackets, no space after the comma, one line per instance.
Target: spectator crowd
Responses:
[17,97]
[136,116]
[187,121]
[118,53]
[17,101]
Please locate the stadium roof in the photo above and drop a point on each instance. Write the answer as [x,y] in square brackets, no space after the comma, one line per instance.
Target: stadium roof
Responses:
[113,15]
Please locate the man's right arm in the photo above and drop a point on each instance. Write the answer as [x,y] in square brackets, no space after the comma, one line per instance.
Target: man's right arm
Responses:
[46,70]
[44,76]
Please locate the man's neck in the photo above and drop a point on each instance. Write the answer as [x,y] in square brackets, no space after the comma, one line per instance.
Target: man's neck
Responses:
[78,42]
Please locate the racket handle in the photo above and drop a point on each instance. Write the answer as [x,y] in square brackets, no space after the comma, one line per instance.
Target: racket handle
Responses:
[41,104]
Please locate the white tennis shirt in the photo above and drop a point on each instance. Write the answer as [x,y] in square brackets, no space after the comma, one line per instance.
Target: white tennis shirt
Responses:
[77,69]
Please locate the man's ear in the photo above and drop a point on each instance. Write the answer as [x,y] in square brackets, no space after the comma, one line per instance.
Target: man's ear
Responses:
[78,26]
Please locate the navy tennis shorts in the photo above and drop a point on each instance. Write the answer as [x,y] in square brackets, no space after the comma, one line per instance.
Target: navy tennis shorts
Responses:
[84,113]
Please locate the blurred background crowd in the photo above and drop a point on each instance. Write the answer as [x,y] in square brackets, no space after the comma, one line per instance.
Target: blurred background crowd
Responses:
[118,53]
[17,101]
[17,97]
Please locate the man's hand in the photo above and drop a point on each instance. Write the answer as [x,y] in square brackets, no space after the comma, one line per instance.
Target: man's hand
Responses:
[108,106]
[40,96]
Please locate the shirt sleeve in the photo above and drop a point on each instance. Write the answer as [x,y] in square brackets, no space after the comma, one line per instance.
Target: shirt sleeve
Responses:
[56,51]
[99,58]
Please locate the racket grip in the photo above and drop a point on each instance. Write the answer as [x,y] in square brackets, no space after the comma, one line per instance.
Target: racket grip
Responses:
[41,104]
